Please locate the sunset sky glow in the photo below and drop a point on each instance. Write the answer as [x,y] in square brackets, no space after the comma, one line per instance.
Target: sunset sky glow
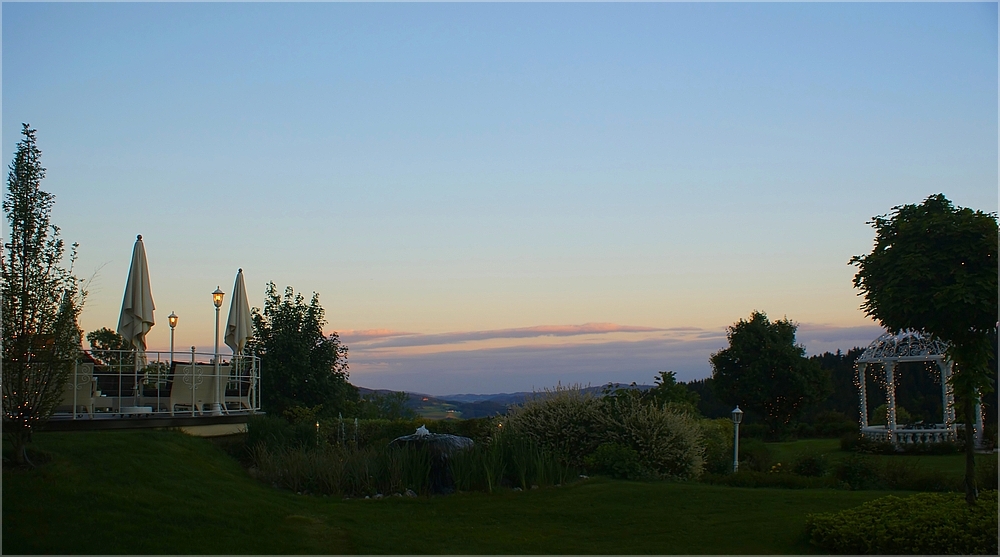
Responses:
[497,197]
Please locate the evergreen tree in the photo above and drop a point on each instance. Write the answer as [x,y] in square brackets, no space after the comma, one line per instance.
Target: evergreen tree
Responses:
[41,302]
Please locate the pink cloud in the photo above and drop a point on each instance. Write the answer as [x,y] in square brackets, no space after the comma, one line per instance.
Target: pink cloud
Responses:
[408,339]
[354,335]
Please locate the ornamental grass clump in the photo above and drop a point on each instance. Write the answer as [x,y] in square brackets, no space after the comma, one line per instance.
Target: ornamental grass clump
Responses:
[340,471]
[925,523]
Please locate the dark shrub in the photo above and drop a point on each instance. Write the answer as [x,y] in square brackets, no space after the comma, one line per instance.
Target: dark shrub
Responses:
[755,456]
[849,441]
[270,431]
[617,461]
[718,437]
[925,523]
[833,424]
[804,430]
[858,472]
[810,465]
[903,473]
[754,431]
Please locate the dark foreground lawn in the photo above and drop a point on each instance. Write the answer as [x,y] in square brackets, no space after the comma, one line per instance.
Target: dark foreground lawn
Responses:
[162,492]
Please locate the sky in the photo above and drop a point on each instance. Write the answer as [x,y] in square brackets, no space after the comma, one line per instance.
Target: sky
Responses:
[499,197]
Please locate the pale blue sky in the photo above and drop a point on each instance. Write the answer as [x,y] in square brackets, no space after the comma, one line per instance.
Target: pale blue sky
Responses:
[466,169]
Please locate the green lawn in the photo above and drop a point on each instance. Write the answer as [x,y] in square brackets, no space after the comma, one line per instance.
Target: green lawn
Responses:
[142,492]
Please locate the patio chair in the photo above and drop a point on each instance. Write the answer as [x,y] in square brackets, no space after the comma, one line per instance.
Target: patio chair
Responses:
[239,390]
[193,386]
[78,392]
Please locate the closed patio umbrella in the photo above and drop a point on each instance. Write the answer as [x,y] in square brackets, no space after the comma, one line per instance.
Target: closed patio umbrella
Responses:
[136,318]
[239,326]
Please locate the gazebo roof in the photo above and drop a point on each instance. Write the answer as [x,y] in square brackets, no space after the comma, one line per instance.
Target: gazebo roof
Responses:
[907,346]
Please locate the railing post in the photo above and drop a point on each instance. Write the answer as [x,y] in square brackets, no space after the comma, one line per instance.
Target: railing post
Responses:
[864,397]
[76,369]
[890,393]
[192,381]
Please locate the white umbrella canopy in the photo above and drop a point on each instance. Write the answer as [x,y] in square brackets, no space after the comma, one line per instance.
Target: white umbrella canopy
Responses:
[137,307]
[239,326]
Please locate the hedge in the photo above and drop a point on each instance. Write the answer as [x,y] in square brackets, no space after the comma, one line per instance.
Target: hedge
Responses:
[925,523]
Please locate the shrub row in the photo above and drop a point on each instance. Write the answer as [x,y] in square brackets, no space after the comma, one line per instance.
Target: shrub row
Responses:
[925,523]
[574,425]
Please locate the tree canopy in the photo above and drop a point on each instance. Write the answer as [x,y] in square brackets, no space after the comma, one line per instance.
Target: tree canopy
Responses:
[934,269]
[763,370]
[300,366]
[41,300]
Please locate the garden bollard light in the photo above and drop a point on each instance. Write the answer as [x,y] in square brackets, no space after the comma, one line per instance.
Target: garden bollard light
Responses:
[737,418]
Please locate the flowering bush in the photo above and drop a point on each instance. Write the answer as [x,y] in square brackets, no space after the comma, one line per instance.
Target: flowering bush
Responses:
[565,421]
[669,443]
[572,425]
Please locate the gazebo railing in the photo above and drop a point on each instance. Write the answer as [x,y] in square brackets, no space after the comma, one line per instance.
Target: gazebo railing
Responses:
[124,383]
[904,435]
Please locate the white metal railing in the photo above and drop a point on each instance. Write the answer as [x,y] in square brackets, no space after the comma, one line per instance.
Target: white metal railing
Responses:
[910,435]
[117,383]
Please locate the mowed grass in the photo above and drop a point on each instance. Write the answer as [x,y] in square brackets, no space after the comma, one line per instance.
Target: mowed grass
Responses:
[163,492]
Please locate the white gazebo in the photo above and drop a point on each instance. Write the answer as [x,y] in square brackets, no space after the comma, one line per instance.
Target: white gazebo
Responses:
[910,346]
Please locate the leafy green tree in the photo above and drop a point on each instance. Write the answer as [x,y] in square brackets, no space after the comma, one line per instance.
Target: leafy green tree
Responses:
[300,366]
[934,269]
[41,302]
[111,349]
[763,370]
[667,391]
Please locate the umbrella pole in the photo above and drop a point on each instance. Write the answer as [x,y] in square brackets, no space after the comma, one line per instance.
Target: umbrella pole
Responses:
[135,381]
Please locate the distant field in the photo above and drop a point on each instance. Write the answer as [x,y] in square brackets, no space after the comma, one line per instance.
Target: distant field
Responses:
[164,492]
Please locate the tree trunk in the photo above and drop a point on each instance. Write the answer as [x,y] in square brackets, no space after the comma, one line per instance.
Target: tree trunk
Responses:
[968,415]
[19,449]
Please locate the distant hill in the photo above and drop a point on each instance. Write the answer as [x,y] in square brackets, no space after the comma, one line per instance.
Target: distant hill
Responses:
[465,406]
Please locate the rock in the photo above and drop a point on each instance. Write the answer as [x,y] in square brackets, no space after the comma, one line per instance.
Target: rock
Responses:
[441,447]
[534,487]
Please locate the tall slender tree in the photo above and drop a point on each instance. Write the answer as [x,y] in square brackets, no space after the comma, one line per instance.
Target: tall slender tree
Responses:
[41,302]
[934,269]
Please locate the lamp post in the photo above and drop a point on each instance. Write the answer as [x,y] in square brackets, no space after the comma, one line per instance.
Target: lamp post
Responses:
[172,319]
[217,300]
[737,418]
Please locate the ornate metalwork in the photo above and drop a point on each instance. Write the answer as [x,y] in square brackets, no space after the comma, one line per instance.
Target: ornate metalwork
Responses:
[909,345]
